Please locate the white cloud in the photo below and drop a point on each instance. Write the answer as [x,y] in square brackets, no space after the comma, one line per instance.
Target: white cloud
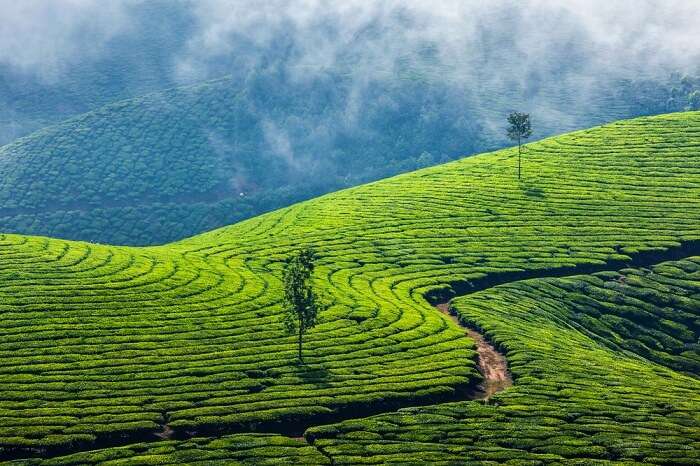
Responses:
[45,37]
[622,35]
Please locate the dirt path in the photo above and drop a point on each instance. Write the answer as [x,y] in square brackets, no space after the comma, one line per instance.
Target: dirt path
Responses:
[165,434]
[492,364]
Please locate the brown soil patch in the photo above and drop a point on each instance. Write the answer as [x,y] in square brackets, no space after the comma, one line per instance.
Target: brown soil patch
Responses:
[491,363]
[166,433]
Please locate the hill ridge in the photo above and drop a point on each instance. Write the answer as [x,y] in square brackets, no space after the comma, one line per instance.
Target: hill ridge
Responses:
[193,329]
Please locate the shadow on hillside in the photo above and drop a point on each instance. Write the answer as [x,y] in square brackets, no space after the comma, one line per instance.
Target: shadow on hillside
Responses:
[315,374]
[531,191]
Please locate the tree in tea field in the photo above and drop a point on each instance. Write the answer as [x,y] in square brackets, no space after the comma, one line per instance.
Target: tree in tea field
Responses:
[519,128]
[301,304]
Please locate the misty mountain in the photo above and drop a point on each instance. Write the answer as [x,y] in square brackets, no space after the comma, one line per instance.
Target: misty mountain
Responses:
[185,116]
[88,54]
[173,163]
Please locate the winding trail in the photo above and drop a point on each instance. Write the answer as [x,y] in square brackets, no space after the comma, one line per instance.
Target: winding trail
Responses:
[492,364]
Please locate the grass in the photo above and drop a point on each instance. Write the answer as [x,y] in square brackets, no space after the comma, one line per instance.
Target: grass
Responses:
[103,345]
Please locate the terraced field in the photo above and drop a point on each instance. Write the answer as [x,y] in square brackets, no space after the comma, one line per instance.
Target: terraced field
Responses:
[130,340]
[107,345]
[244,449]
[582,393]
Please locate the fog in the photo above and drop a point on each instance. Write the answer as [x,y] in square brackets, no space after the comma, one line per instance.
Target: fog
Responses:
[532,51]
[454,36]
[45,37]
[551,58]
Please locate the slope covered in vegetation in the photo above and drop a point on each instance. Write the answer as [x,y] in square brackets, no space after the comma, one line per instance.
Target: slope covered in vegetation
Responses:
[171,164]
[580,393]
[111,345]
[623,410]
[237,449]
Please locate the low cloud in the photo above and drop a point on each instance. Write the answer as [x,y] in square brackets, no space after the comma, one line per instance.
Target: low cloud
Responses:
[460,38]
[44,38]
[549,57]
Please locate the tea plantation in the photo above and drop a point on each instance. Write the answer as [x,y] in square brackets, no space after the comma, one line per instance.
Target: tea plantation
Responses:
[170,164]
[238,449]
[106,346]
[582,394]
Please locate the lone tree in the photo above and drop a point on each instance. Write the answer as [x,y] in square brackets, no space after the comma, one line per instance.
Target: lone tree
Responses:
[519,128]
[301,305]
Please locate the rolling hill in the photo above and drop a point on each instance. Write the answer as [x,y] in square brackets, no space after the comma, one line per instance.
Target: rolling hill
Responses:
[128,141]
[580,349]
[566,271]
[174,163]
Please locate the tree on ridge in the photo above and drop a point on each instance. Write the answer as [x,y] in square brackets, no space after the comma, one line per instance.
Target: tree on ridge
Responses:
[519,128]
[301,304]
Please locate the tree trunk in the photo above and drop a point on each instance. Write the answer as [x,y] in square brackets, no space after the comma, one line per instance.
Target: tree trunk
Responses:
[518,158]
[301,359]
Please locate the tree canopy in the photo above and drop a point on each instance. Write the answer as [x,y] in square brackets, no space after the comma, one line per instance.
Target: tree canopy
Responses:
[300,301]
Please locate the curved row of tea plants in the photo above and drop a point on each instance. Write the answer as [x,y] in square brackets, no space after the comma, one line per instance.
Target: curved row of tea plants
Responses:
[580,395]
[626,410]
[107,345]
[238,449]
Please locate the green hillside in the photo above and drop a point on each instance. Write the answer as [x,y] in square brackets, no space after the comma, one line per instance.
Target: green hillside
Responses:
[624,409]
[237,449]
[167,126]
[174,163]
[582,391]
[105,345]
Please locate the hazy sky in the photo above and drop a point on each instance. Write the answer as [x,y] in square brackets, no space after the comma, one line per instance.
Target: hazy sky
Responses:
[624,33]
[45,37]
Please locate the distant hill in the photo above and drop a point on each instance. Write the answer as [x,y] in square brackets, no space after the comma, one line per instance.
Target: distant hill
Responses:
[110,345]
[173,163]
[135,62]
[123,147]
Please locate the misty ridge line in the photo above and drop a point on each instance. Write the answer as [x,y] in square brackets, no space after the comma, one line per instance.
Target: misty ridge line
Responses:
[266,105]
[630,36]
[477,49]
